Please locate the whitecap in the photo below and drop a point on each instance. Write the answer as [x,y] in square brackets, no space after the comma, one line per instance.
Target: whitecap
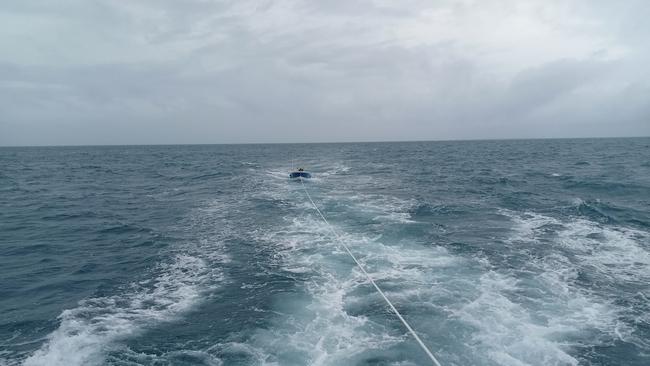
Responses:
[97,325]
[87,331]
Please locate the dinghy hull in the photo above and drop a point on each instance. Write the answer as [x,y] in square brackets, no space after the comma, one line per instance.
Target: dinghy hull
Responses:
[296,175]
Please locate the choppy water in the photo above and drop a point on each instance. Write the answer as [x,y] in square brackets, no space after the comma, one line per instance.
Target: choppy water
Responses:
[498,252]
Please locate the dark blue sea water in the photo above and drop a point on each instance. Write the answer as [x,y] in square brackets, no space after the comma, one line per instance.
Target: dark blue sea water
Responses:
[531,252]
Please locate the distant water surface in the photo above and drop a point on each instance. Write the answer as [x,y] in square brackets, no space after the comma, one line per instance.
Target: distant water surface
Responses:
[525,252]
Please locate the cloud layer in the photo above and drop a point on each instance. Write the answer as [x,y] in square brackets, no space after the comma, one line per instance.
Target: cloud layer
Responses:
[199,71]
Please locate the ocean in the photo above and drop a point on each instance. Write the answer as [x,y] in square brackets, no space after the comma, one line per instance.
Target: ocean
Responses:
[514,252]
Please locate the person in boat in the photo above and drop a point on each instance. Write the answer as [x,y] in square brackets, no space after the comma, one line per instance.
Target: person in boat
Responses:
[301,169]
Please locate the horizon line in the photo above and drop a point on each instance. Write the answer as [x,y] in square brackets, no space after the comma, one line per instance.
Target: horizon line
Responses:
[335,142]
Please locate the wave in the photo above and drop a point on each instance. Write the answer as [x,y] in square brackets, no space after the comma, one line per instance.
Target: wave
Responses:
[333,317]
[613,251]
[86,332]
[609,213]
[610,188]
[495,315]
[382,208]
[520,323]
[466,309]
[596,273]
[327,322]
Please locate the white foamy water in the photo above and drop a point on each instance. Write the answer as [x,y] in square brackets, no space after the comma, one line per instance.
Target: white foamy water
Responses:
[540,313]
[382,208]
[319,329]
[617,252]
[88,331]
[515,328]
[171,289]
[337,318]
[533,314]
[614,251]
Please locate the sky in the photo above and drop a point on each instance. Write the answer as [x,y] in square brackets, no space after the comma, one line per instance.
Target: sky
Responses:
[86,72]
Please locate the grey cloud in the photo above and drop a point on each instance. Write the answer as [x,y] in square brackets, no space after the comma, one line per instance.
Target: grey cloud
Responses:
[204,71]
[535,88]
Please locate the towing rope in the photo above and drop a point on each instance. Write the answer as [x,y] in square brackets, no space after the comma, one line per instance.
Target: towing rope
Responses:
[338,238]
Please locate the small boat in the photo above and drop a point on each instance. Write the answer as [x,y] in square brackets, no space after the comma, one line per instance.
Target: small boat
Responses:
[299,174]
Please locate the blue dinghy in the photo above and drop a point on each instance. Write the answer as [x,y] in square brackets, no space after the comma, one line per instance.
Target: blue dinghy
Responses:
[300,173]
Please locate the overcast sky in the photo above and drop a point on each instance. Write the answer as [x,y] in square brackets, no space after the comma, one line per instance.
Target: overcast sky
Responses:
[202,71]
